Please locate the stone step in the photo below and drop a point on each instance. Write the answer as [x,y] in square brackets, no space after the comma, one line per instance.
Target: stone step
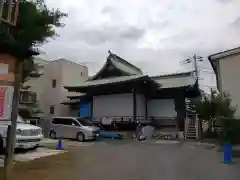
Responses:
[193,133]
[190,138]
[191,130]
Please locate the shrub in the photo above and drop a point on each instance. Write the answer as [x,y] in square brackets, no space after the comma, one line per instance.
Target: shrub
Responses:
[230,130]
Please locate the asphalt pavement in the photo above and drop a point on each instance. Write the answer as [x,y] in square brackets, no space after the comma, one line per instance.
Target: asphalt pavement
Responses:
[131,160]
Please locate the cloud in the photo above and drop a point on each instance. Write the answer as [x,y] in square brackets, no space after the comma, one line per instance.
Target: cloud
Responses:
[100,35]
[225,1]
[155,35]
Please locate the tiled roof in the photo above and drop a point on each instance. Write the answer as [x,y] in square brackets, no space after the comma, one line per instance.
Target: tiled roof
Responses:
[175,80]
[119,64]
[124,65]
[106,81]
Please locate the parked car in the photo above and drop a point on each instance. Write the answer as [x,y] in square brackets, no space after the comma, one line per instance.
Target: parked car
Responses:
[73,128]
[109,134]
[27,135]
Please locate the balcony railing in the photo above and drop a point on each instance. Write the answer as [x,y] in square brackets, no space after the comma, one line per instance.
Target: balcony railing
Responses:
[27,97]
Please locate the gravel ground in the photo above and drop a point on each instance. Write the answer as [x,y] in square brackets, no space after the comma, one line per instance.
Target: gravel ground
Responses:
[120,160]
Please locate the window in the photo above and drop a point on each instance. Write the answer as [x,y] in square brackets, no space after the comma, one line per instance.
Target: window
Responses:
[51,110]
[73,123]
[81,73]
[65,121]
[57,121]
[25,96]
[34,97]
[84,122]
[54,83]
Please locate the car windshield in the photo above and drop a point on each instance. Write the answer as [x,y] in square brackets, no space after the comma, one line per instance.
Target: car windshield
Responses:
[84,122]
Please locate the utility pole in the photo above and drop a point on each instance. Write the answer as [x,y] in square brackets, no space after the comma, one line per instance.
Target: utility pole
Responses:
[11,138]
[195,65]
[13,5]
[194,60]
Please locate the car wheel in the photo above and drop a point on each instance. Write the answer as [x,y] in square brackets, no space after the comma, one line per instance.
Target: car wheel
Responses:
[80,137]
[53,135]
[35,147]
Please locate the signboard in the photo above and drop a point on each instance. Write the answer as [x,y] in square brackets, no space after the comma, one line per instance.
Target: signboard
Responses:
[7,63]
[6,95]
[85,110]
[2,98]
[3,69]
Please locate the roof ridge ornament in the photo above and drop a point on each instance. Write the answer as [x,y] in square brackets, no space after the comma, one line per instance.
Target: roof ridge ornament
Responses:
[110,52]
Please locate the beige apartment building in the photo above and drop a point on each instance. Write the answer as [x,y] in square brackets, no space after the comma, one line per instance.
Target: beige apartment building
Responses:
[57,74]
[49,87]
[226,66]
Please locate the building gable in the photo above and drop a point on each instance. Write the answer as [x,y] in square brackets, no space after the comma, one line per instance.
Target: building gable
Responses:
[115,66]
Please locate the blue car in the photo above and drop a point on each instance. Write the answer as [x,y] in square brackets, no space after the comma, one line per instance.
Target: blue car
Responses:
[110,134]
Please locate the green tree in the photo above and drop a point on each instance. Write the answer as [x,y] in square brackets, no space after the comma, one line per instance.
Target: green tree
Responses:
[30,70]
[213,106]
[36,25]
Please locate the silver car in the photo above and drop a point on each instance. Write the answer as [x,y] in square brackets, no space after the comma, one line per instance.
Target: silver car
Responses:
[73,128]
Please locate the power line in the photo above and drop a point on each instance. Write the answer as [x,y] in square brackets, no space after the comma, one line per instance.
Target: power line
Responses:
[194,60]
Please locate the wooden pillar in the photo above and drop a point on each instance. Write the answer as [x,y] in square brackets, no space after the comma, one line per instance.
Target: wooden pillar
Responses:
[146,107]
[179,100]
[134,105]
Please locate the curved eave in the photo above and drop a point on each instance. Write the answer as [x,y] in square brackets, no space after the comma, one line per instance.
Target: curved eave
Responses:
[70,102]
[84,88]
[100,71]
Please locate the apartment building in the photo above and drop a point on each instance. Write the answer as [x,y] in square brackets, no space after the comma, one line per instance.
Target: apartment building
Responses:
[48,89]
[57,74]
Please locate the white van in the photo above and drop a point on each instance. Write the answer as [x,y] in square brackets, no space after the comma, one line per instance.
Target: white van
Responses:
[73,128]
[27,135]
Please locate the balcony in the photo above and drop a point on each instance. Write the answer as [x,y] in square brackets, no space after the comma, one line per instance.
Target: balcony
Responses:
[28,97]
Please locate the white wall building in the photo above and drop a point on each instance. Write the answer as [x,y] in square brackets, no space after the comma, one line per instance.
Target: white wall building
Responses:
[226,65]
[49,86]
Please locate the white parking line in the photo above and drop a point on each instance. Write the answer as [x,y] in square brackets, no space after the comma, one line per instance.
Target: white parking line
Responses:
[77,144]
[38,153]
[66,142]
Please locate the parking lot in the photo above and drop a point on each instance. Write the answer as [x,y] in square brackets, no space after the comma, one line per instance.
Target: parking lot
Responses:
[129,160]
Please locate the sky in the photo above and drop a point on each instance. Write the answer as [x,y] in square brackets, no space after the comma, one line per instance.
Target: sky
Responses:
[154,35]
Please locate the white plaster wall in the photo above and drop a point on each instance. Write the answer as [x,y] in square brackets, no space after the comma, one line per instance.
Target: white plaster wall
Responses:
[113,105]
[229,75]
[162,108]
